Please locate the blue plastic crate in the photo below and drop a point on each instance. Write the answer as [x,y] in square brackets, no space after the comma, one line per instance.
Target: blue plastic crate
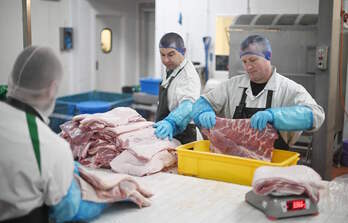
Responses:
[90,102]
[150,85]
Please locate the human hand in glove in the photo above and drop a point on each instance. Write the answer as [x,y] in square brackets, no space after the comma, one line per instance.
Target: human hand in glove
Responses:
[164,129]
[207,119]
[260,119]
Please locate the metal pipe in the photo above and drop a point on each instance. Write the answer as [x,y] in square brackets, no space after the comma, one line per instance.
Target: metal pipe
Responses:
[26,13]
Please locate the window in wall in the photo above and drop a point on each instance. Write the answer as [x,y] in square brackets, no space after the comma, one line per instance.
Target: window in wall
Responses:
[106,40]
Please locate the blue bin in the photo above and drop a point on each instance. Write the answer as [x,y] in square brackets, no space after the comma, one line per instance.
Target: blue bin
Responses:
[150,85]
[90,102]
[91,107]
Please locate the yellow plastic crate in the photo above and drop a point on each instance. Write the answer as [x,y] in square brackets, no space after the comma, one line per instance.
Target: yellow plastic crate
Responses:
[195,159]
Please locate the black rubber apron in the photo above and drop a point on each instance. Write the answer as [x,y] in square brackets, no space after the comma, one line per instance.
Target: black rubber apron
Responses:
[242,112]
[189,134]
[40,214]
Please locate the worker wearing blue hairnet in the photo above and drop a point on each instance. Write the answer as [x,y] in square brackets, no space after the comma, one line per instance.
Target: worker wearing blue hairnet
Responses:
[179,89]
[36,165]
[263,95]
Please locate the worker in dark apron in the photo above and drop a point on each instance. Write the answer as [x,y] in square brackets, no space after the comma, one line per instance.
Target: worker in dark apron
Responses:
[263,95]
[178,91]
[36,165]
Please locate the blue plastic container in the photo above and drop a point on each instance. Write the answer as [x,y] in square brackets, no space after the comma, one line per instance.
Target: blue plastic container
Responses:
[90,102]
[344,159]
[150,85]
[91,107]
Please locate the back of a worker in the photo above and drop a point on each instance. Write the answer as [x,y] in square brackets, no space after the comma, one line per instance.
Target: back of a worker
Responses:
[36,165]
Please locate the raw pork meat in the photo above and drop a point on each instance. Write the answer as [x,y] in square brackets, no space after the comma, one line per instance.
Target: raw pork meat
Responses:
[287,180]
[236,137]
[97,139]
[105,186]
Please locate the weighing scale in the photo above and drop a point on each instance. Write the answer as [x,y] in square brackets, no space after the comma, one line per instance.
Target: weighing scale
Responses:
[276,207]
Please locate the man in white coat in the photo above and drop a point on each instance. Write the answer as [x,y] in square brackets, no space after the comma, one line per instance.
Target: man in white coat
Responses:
[179,89]
[263,95]
[36,165]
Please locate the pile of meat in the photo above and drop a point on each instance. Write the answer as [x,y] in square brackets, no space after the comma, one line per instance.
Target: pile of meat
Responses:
[292,180]
[105,186]
[119,139]
[236,137]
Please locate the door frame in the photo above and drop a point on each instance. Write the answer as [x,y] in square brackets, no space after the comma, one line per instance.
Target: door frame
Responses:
[122,50]
[141,8]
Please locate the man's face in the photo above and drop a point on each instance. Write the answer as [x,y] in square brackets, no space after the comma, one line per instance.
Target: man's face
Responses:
[171,58]
[258,68]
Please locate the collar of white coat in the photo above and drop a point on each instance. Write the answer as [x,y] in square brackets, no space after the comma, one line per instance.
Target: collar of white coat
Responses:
[271,84]
[174,73]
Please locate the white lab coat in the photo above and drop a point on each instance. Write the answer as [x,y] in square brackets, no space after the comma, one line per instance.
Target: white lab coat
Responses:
[185,86]
[22,187]
[286,92]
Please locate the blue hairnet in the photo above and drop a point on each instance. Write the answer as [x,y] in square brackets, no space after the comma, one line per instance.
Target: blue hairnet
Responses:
[256,45]
[172,40]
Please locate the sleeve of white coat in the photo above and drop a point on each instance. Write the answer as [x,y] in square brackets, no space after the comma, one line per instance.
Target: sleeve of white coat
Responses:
[57,167]
[300,96]
[189,89]
[218,97]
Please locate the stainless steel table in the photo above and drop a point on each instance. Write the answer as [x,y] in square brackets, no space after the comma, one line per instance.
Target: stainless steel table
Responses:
[188,199]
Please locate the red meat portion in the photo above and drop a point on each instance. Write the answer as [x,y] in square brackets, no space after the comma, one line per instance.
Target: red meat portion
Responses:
[236,137]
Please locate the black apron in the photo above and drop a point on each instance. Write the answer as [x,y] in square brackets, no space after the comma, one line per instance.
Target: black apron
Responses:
[242,112]
[189,134]
[40,214]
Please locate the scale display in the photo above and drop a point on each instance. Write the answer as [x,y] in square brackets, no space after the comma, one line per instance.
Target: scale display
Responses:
[294,205]
[276,207]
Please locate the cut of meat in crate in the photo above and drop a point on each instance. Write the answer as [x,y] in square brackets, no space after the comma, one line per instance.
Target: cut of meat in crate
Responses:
[236,137]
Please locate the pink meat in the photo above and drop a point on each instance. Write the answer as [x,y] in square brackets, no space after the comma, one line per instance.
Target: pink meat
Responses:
[292,180]
[98,139]
[236,137]
[128,163]
[103,186]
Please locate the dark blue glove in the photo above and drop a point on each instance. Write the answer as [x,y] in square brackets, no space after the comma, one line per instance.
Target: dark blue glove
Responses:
[207,120]
[260,119]
[164,129]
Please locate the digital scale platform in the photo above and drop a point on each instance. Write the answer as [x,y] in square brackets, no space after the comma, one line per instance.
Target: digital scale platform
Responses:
[276,207]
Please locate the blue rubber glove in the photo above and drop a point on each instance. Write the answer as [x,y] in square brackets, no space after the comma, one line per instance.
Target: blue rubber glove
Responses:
[68,207]
[294,118]
[203,114]
[89,210]
[260,119]
[72,207]
[207,120]
[164,129]
[180,117]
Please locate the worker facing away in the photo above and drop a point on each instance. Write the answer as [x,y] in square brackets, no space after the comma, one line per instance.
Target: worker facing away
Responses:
[179,89]
[263,95]
[36,165]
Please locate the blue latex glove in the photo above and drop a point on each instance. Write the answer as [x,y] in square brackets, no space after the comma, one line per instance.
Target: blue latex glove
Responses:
[207,120]
[76,168]
[200,107]
[68,207]
[72,207]
[294,118]
[260,119]
[180,117]
[89,210]
[164,129]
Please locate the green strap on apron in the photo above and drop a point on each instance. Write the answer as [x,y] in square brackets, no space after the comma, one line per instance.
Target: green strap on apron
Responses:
[34,136]
[3,92]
